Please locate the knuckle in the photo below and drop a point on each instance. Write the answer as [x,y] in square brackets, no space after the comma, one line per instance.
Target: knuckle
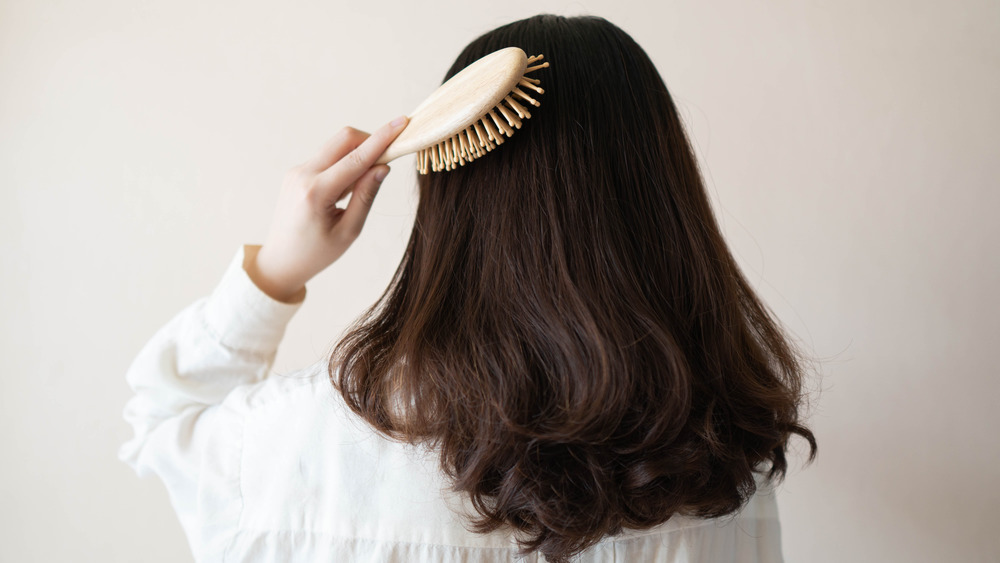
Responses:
[357,158]
[311,190]
[350,135]
[344,137]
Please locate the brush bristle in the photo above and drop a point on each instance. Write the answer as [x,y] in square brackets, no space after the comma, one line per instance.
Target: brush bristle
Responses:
[487,132]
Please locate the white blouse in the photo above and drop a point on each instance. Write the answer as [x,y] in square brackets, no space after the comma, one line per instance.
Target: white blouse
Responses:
[268,468]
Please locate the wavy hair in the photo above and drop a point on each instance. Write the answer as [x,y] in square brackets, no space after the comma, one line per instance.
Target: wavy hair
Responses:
[567,326]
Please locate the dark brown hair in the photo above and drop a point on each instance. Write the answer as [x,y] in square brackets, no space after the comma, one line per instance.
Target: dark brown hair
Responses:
[567,326]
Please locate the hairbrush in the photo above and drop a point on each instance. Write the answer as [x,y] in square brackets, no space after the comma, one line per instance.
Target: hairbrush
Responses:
[469,115]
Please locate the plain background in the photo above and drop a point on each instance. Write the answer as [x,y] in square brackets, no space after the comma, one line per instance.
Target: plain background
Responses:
[850,149]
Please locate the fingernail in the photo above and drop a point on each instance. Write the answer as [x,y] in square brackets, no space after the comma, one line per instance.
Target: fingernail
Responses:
[381,174]
[398,121]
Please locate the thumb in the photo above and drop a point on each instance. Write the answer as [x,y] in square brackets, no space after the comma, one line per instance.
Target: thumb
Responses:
[362,198]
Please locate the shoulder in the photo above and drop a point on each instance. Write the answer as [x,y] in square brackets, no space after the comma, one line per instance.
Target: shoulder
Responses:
[297,389]
[290,413]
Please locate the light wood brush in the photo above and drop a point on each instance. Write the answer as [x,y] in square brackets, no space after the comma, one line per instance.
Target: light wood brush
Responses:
[470,113]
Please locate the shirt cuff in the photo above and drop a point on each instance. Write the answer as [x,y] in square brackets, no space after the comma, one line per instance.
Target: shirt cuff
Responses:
[242,316]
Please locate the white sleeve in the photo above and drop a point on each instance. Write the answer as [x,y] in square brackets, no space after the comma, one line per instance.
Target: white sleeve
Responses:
[190,382]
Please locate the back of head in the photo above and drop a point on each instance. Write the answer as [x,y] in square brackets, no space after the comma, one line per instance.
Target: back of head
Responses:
[567,325]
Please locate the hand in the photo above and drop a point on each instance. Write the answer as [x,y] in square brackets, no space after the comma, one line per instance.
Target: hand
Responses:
[309,232]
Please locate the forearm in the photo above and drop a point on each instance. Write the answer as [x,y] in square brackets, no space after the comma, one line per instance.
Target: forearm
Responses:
[219,342]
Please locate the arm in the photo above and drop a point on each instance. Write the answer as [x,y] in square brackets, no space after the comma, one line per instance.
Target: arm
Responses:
[214,345]
[190,381]
[230,338]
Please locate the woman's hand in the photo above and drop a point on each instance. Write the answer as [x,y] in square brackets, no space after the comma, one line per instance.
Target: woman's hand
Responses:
[309,232]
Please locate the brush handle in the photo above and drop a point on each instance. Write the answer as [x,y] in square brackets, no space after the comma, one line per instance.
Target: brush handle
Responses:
[459,102]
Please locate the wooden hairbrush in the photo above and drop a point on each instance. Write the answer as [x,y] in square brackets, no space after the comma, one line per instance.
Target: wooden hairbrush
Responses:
[459,122]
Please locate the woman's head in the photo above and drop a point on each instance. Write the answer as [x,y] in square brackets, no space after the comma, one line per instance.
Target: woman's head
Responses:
[567,325]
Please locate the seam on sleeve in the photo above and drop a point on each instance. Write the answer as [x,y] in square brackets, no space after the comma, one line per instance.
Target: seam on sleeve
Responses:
[239,519]
[255,354]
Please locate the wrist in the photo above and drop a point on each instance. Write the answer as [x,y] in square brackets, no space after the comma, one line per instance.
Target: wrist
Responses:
[258,266]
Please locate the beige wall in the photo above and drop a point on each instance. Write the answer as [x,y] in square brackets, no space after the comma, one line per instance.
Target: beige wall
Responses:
[850,148]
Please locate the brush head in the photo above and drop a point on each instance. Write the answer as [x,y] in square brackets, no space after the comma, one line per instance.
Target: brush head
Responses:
[470,113]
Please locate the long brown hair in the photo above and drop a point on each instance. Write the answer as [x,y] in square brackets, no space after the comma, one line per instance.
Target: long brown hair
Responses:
[567,326]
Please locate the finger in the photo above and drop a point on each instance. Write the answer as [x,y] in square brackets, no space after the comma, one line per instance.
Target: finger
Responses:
[334,149]
[365,190]
[355,163]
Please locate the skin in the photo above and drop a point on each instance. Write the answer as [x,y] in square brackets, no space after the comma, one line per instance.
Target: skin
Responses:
[309,231]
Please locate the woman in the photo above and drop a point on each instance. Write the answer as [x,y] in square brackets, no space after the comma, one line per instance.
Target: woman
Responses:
[568,361]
